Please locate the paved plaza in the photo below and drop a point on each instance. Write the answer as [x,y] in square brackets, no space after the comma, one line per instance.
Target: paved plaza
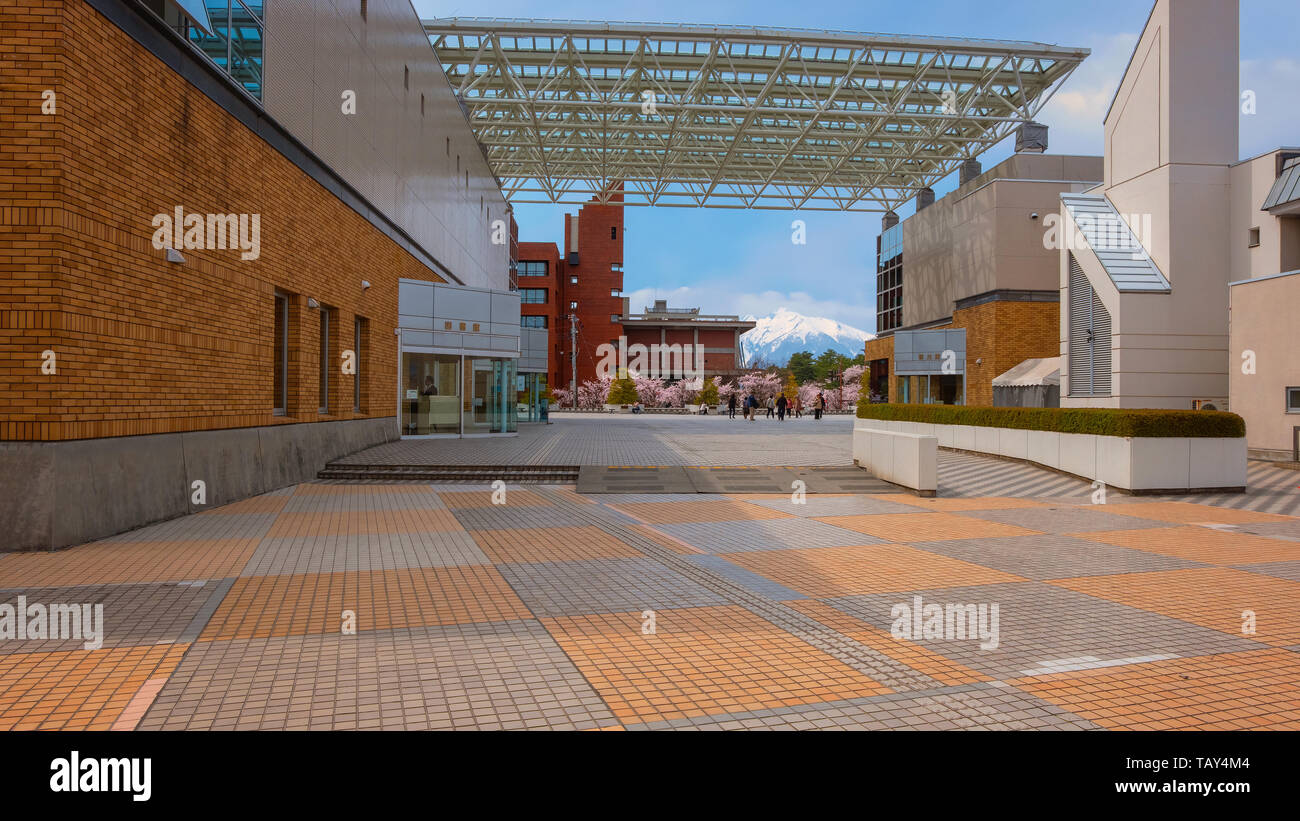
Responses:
[421,606]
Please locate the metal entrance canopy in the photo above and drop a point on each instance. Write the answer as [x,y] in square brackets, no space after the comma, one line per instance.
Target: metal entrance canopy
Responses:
[734,117]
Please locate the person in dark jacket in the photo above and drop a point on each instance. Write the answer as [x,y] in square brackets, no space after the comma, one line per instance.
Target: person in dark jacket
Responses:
[731,406]
[781,404]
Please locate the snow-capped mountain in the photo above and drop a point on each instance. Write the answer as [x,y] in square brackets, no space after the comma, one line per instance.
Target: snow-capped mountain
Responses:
[785,332]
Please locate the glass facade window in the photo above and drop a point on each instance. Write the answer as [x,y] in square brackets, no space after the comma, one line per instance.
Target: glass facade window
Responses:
[932,389]
[236,42]
[532,321]
[430,393]
[532,296]
[530,394]
[889,279]
[532,268]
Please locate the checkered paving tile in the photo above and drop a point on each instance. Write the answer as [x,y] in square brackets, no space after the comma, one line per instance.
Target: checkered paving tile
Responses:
[262,606]
[1048,556]
[1201,544]
[924,527]
[500,676]
[1043,628]
[700,661]
[844,571]
[777,534]
[426,606]
[1215,597]
[1233,691]
[602,586]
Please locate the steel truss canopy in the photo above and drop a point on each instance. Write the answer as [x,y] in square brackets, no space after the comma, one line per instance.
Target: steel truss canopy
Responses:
[771,118]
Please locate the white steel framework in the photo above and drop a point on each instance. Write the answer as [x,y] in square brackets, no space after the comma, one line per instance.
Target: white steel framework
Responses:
[735,117]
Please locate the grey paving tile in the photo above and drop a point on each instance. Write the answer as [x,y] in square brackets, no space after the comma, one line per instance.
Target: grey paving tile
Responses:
[202,527]
[1041,626]
[364,498]
[968,708]
[1066,518]
[1274,530]
[502,675]
[336,552]
[764,534]
[133,614]
[503,517]
[603,586]
[748,579]
[1280,570]
[1050,556]
[817,506]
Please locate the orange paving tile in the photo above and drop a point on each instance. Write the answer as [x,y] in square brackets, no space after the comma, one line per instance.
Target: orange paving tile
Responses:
[952,505]
[925,527]
[483,498]
[551,544]
[572,495]
[701,661]
[721,510]
[1200,544]
[672,543]
[1213,597]
[328,523]
[121,562]
[261,606]
[1257,689]
[827,572]
[1192,513]
[911,653]
[78,689]
[255,504]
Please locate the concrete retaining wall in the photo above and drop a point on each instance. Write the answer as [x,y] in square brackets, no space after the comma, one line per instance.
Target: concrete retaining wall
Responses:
[57,494]
[907,459]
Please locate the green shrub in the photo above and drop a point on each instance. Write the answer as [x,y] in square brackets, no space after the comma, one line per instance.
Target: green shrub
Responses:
[709,395]
[622,392]
[1099,421]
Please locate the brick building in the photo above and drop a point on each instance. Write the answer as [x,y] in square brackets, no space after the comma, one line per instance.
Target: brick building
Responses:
[586,282]
[966,288]
[130,371]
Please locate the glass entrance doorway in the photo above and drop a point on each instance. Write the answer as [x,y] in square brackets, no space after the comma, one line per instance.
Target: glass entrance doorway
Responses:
[444,394]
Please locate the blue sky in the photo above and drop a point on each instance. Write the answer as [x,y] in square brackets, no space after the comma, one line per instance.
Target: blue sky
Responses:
[727,261]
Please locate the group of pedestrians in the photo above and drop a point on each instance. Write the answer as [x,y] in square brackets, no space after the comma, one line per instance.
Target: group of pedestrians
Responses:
[780,407]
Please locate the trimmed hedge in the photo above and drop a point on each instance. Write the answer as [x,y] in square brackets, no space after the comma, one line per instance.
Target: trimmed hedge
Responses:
[1098,421]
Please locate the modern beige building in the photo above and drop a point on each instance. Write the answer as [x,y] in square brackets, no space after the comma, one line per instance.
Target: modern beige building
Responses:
[972,266]
[1264,306]
[1150,261]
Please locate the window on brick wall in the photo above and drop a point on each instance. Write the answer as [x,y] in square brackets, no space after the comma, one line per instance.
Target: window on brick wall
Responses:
[613,232]
[532,268]
[325,348]
[280,355]
[532,296]
[573,280]
[532,322]
[359,325]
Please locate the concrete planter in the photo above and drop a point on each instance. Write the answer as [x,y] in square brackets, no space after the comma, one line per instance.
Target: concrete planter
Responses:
[903,458]
[1136,464]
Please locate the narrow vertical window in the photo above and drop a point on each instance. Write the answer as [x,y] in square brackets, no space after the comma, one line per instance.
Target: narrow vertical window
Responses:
[357,326]
[280,355]
[324,360]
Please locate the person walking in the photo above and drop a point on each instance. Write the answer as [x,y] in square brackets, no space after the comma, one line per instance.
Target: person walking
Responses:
[819,405]
[731,406]
[781,403]
[753,407]
[798,407]
[771,408]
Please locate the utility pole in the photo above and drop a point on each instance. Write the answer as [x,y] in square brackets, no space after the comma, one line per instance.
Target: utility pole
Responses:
[573,358]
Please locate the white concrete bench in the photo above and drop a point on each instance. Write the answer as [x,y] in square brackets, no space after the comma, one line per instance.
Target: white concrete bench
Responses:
[907,459]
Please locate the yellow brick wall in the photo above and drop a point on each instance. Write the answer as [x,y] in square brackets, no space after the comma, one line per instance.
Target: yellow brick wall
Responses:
[1002,334]
[145,346]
